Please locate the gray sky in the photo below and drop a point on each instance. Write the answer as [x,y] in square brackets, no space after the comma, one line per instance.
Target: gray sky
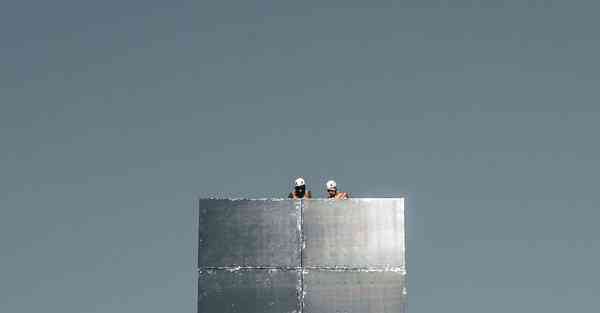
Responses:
[116,115]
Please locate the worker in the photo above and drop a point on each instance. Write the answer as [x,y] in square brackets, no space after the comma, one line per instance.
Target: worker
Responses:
[333,193]
[300,190]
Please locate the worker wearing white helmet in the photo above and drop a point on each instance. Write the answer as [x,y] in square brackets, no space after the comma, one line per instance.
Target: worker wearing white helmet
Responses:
[300,190]
[333,193]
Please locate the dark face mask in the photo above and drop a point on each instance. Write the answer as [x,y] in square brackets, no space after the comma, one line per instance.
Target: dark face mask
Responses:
[300,191]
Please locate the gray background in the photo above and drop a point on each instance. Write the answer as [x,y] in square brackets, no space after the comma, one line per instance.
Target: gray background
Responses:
[116,115]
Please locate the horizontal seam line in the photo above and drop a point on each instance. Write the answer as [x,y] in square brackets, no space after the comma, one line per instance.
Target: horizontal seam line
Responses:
[331,268]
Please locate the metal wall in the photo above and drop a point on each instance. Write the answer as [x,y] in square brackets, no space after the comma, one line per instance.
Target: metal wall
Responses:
[302,256]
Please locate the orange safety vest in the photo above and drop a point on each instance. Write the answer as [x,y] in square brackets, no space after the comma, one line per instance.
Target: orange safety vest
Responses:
[342,195]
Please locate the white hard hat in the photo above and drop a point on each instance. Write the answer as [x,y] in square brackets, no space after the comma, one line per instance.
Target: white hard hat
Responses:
[331,185]
[299,182]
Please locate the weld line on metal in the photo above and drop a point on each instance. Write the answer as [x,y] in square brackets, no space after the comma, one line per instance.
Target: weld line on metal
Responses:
[302,246]
[391,268]
[242,268]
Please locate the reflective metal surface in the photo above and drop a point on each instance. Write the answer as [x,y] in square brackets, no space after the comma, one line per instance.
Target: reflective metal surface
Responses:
[354,292]
[354,233]
[258,233]
[302,256]
[248,291]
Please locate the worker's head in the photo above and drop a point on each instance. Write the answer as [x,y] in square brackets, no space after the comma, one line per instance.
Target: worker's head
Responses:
[331,188]
[299,186]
